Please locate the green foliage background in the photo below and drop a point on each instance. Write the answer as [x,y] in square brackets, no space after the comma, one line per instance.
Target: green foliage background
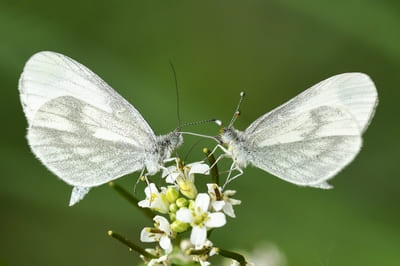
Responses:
[272,50]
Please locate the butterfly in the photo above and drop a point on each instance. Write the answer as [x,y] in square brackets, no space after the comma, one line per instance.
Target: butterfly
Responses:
[310,138]
[82,130]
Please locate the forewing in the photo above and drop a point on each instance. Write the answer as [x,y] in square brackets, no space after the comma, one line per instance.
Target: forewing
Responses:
[307,148]
[84,145]
[48,75]
[354,92]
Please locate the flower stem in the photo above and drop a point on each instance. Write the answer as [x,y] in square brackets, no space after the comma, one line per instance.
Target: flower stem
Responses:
[131,245]
[232,255]
[214,169]
[125,194]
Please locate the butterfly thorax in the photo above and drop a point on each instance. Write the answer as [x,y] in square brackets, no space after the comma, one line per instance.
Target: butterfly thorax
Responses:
[233,139]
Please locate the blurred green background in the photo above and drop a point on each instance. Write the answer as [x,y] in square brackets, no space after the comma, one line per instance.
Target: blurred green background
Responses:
[270,49]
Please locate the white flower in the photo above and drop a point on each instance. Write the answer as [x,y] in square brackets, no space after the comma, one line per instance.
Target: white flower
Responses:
[163,260]
[162,233]
[221,200]
[185,171]
[204,263]
[183,176]
[200,219]
[155,200]
[160,260]
[209,251]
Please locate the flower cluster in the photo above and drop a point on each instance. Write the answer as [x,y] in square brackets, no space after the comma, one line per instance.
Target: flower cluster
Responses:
[185,209]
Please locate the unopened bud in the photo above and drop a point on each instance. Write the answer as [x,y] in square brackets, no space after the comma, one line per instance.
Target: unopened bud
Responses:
[191,204]
[182,202]
[179,226]
[171,194]
[187,188]
[172,216]
[173,207]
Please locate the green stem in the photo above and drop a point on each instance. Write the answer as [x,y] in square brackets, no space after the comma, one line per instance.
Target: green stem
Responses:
[232,255]
[125,194]
[131,245]
[214,169]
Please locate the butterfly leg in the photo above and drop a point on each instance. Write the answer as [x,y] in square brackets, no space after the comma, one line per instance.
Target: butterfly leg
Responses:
[229,178]
[170,159]
[237,168]
[165,170]
[224,155]
[218,146]
[139,178]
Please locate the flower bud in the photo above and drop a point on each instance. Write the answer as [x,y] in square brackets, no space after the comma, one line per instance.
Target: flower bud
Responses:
[191,204]
[171,194]
[173,207]
[182,202]
[172,216]
[187,187]
[179,226]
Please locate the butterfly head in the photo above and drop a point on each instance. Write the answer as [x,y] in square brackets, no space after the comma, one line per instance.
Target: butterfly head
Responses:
[175,139]
[227,135]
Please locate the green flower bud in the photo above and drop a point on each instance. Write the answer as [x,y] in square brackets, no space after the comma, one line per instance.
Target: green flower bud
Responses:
[191,204]
[171,194]
[173,207]
[182,202]
[172,216]
[179,226]
[187,187]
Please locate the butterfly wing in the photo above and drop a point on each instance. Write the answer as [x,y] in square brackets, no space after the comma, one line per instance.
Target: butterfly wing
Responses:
[48,75]
[83,145]
[309,139]
[354,92]
[79,127]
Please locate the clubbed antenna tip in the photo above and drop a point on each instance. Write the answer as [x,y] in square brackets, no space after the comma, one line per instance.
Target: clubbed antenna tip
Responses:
[237,112]
[218,122]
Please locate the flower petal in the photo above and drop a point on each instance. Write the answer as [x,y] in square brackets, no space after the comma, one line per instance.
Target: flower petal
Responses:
[228,210]
[160,204]
[184,215]
[198,235]
[199,168]
[163,224]
[168,170]
[202,202]
[147,236]
[204,263]
[211,187]
[144,203]
[165,243]
[235,201]
[216,219]
[172,177]
[229,192]
[218,205]
[155,262]
[150,189]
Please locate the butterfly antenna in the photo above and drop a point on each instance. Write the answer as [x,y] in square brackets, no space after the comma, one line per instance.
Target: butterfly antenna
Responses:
[237,112]
[218,122]
[177,95]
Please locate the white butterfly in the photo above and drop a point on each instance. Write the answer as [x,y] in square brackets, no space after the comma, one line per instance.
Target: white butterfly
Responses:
[310,138]
[82,129]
